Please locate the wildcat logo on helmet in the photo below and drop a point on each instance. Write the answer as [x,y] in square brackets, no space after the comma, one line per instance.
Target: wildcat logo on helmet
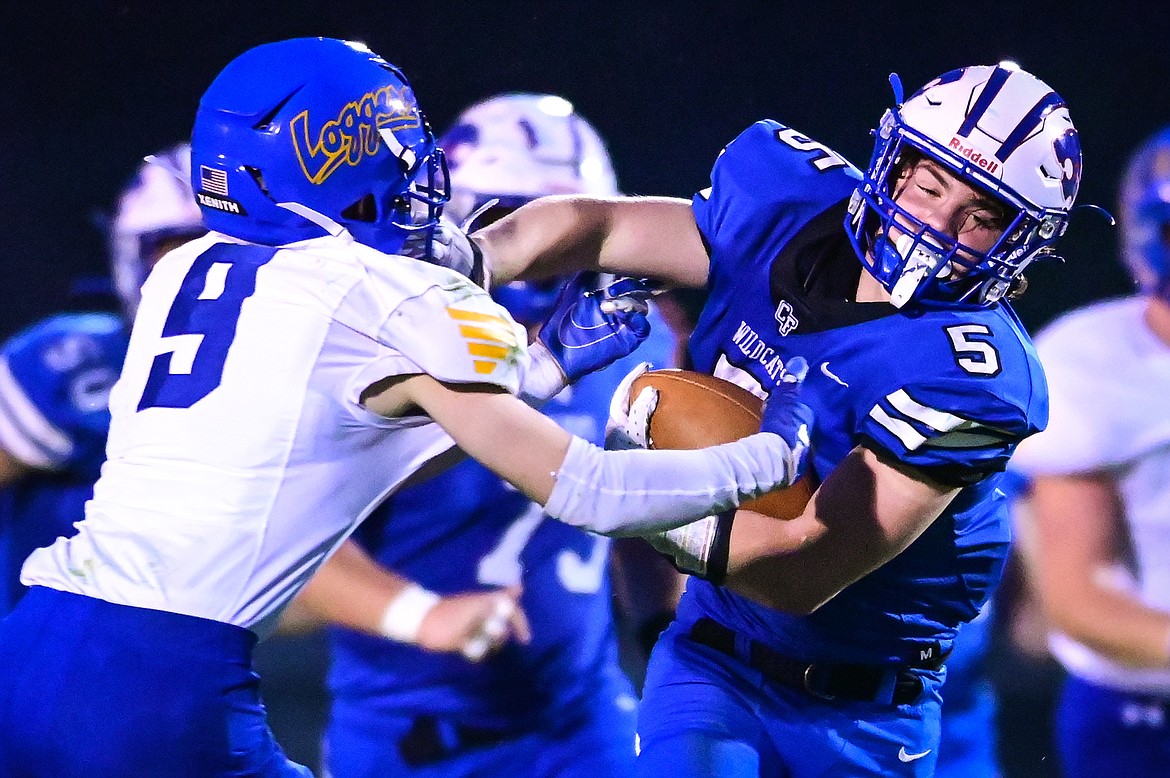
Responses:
[353,135]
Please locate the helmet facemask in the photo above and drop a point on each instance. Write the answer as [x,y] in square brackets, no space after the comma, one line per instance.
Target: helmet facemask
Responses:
[916,262]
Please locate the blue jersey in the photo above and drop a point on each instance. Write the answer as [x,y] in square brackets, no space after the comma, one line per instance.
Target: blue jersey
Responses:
[947,391]
[55,379]
[467,530]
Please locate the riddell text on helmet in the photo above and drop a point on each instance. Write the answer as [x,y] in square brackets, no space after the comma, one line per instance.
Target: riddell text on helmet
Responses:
[973,156]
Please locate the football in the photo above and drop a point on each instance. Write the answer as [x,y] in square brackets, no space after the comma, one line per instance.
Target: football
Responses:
[696,410]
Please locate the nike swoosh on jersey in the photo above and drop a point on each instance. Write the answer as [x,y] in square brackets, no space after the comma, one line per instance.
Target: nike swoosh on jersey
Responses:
[905,757]
[830,374]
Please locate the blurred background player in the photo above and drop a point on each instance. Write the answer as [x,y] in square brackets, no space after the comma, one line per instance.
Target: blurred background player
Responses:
[1099,535]
[554,701]
[55,375]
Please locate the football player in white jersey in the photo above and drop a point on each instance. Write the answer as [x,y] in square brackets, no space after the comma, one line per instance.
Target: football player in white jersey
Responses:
[1100,502]
[285,373]
[551,699]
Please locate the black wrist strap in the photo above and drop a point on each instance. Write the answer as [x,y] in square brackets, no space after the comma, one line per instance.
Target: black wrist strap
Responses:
[720,548]
[477,270]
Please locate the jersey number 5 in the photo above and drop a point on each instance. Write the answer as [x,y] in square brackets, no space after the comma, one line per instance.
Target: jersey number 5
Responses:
[972,353]
[201,325]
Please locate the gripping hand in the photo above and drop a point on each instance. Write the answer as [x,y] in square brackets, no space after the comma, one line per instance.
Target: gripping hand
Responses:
[628,425]
[785,415]
[590,329]
[448,245]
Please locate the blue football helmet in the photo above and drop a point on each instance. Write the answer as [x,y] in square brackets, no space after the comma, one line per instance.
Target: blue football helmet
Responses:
[1145,215]
[310,136]
[998,129]
[155,212]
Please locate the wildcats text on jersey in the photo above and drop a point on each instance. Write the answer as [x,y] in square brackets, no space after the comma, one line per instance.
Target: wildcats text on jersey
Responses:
[752,346]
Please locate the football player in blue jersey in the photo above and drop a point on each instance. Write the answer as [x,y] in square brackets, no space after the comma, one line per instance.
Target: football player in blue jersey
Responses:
[553,701]
[285,374]
[1099,518]
[55,376]
[816,646]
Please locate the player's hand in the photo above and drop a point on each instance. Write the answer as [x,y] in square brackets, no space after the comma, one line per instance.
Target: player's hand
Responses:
[628,425]
[785,415]
[475,624]
[589,329]
[447,244]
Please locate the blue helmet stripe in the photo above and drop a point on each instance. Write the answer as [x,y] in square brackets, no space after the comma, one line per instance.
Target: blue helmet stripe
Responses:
[1028,124]
[998,78]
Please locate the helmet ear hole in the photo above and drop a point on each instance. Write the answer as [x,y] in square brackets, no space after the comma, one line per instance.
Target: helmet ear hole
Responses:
[258,177]
[363,210]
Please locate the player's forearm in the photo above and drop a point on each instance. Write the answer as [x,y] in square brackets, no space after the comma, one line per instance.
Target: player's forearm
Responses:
[638,492]
[351,590]
[862,516]
[550,236]
[634,236]
[1112,623]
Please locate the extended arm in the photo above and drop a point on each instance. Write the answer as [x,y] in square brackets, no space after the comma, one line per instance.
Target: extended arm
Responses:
[352,590]
[1077,537]
[614,492]
[632,236]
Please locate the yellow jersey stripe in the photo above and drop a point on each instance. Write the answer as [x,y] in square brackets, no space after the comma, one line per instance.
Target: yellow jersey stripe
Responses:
[487,350]
[493,334]
[484,318]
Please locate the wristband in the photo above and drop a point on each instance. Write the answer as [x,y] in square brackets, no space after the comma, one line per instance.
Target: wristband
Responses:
[404,614]
[543,378]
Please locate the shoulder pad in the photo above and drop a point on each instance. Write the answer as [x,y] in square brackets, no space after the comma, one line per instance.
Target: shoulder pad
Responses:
[55,379]
[975,392]
[765,185]
[456,333]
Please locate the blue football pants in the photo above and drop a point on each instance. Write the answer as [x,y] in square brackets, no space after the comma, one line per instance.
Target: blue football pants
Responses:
[597,743]
[708,715]
[1106,732]
[89,689]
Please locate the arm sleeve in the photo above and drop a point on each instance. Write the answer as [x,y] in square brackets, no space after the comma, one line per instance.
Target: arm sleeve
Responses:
[638,491]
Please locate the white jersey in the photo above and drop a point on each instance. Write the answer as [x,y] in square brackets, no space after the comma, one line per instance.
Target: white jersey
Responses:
[1109,380]
[239,454]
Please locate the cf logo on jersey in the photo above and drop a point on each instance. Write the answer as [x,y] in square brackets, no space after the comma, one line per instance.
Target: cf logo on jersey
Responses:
[785,318]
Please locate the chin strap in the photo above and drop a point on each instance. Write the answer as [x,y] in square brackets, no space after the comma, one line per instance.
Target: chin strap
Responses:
[320,219]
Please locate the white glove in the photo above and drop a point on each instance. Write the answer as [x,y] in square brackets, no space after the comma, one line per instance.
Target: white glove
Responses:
[628,425]
[449,246]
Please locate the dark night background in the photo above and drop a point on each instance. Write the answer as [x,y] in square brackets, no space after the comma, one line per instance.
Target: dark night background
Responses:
[87,88]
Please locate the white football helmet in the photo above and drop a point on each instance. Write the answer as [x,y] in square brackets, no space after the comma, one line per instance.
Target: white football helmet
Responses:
[157,209]
[517,147]
[1144,212]
[1000,130]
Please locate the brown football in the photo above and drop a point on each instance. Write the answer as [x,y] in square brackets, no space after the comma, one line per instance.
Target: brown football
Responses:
[696,410]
